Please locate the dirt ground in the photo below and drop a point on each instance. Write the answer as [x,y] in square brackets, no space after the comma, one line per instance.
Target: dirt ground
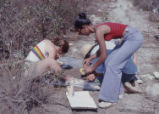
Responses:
[124,12]
[54,100]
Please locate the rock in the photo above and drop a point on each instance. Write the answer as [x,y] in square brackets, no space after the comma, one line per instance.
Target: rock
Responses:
[99,10]
[71,44]
[148,76]
[14,77]
[157,37]
[139,81]
[156,75]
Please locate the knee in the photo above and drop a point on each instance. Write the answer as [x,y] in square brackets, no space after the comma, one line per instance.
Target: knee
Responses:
[113,66]
[110,64]
[50,62]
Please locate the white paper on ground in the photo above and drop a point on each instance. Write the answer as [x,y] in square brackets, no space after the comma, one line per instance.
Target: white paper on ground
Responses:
[81,100]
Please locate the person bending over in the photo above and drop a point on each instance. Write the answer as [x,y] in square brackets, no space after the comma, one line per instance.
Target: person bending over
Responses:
[115,62]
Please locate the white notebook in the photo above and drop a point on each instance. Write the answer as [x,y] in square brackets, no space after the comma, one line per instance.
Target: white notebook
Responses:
[81,100]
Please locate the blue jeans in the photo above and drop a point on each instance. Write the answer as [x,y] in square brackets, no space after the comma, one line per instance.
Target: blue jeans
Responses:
[128,72]
[114,64]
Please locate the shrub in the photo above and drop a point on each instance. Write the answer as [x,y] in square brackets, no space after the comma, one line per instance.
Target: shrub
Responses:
[24,23]
[149,5]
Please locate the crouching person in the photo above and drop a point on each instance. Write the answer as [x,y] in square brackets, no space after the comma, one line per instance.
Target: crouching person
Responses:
[43,57]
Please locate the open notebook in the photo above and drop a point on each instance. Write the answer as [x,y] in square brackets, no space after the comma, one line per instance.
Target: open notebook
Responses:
[81,100]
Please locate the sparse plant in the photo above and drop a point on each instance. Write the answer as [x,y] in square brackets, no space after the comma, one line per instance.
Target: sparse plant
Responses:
[149,5]
[23,23]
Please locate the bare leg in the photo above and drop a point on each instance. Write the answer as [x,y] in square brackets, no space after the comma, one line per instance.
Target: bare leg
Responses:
[47,64]
[38,68]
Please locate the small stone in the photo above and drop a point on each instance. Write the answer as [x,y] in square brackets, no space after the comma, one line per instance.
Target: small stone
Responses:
[99,10]
[71,44]
[148,76]
[156,75]
[13,77]
[139,81]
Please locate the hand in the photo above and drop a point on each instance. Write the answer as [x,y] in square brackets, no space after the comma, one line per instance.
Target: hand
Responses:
[56,67]
[86,61]
[91,77]
[88,69]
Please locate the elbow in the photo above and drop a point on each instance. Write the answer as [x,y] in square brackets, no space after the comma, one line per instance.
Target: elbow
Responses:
[103,57]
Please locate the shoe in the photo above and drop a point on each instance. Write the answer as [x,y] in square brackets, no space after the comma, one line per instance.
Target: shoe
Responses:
[104,104]
[121,96]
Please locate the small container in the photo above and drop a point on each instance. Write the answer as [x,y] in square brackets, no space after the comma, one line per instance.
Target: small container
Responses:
[70,90]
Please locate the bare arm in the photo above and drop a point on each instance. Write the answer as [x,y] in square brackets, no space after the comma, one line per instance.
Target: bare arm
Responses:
[102,46]
[93,56]
[50,49]
[86,61]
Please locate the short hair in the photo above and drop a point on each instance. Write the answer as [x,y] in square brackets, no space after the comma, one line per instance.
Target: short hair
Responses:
[63,44]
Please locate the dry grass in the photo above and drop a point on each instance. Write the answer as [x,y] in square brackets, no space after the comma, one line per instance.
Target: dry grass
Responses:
[19,94]
[149,5]
[23,23]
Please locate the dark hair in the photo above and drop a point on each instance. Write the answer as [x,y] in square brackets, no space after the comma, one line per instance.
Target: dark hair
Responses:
[81,20]
[63,44]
